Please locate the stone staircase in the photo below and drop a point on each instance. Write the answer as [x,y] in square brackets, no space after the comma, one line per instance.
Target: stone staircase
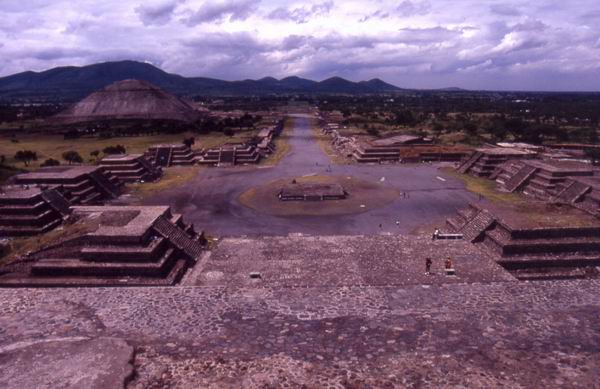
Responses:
[179,238]
[471,222]
[57,201]
[572,192]
[106,184]
[468,164]
[517,181]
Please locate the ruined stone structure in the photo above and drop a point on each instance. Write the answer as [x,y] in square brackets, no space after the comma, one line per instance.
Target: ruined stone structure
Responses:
[172,155]
[129,100]
[580,192]
[541,179]
[400,148]
[32,211]
[484,161]
[386,149]
[264,141]
[78,184]
[231,154]
[113,246]
[531,253]
[131,168]
[312,192]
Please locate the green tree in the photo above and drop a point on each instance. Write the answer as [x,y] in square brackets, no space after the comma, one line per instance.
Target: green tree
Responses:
[72,156]
[26,156]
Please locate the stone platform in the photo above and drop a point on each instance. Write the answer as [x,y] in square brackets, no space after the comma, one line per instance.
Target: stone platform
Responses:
[309,261]
[532,252]
[30,211]
[86,185]
[111,246]
[312,192]
[518,335]
[131,168]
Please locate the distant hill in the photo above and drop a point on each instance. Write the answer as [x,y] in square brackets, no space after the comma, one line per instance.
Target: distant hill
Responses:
[73,83]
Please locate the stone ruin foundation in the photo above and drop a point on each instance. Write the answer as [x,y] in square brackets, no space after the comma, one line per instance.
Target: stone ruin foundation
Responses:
[84,185]
[31,211]
[312,192]
[131,168]
[171,155]
[112,246]
[531,253]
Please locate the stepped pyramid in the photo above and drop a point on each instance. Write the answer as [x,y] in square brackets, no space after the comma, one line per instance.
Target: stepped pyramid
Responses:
[129,99]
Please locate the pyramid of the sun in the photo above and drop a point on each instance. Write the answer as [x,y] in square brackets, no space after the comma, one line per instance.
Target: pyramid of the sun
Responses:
[129,99]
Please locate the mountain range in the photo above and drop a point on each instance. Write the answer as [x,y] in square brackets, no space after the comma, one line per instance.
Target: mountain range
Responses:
[73,83]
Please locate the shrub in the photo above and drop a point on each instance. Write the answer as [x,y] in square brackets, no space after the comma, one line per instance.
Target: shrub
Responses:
[118,149]
[50,162]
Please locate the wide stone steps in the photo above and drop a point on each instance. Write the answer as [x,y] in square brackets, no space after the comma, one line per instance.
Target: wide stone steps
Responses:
[75,267]
[179,238]
[573,192]
[130,253]
[104,184]
[29,220]
[174,276]
[57,201]
[519,179]
[470,162]
[473,229]
[551,273]
[33,209]
[541,246]
[6,231]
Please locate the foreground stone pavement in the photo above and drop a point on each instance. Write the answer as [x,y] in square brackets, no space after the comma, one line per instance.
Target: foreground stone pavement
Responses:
[508,334]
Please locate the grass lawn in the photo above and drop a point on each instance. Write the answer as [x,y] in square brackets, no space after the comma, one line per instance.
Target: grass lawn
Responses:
[172,177]
[18,247]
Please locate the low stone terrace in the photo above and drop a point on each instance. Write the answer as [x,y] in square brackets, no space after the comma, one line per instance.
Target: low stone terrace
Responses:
[171,155]
[528,249]
[131,168]
[30,211]
[541,179]
[312,192]
[79,184]
[112,245]
[231,154]
[482,162]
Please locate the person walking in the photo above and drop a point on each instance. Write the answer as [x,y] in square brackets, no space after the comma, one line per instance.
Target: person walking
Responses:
[428,263]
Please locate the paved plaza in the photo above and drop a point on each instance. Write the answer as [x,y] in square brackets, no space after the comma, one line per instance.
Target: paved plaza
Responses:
[211,198]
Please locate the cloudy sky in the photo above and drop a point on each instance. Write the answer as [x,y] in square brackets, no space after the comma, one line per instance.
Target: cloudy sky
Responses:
[505,44]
